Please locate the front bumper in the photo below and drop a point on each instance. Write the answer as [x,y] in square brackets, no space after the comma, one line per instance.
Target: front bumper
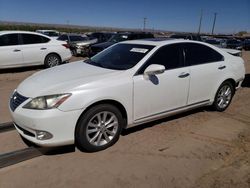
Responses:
[61,125]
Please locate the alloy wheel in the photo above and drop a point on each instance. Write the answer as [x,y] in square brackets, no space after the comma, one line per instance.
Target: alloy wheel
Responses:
[102,128]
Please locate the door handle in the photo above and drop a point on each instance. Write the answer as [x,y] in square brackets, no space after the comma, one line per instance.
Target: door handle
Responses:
[184,75]
[222,67]
[16,50]
[43,48]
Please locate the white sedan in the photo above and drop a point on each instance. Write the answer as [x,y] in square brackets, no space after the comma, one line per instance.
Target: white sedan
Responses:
[130,83]
[22,48]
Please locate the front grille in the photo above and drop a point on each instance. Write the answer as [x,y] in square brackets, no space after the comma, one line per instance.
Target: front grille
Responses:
[16,100]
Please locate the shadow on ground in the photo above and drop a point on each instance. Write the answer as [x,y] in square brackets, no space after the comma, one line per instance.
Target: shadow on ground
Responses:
[50,150]
[153,123]
[57,150]
[21,69]
[246,82]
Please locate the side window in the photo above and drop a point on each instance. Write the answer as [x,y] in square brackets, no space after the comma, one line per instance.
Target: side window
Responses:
[9,40]
[196,54]
[32,39]
[170,56]
[45,39]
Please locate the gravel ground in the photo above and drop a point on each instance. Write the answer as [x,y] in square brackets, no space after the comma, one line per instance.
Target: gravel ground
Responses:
[201,148]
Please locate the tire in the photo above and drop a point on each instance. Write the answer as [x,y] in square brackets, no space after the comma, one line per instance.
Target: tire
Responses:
[74,52]
[223,96]
[52,60]
[99,128]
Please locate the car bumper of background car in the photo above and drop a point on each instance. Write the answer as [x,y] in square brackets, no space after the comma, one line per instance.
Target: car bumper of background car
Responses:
[239,83]
[46,127]
[66,57]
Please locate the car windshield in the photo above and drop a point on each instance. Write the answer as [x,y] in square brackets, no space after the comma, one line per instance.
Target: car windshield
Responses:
[120,56]
[211,41]
[51,34]
[233,42]
[118,38]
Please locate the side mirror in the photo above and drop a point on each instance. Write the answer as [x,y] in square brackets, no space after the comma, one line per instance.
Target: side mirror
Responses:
[154,69]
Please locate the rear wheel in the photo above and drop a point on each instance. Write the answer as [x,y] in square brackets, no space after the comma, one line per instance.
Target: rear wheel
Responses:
[223,96]
[99,128]
[52,60]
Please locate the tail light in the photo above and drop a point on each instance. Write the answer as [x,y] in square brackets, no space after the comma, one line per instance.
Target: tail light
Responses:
[66,45]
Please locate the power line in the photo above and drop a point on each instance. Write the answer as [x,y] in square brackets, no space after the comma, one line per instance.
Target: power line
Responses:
[199,30]
[215,15]
[144,23]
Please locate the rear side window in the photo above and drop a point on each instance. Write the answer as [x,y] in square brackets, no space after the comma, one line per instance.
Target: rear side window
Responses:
[33,39]
[9,40]
[170,56]
[196,54]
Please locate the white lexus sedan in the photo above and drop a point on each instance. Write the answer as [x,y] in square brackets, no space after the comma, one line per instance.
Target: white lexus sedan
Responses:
[22,48]
[130,83]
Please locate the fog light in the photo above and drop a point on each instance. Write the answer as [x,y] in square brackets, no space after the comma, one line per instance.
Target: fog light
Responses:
[43,135]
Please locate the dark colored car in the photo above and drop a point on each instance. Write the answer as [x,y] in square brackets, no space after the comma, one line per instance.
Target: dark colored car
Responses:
[246,44]
[118,37]
[188,36]
[101,36]
[234,44]
[221,43]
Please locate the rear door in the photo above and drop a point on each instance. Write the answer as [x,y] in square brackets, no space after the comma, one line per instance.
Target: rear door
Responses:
[34,48]
[206,70]
[10,52]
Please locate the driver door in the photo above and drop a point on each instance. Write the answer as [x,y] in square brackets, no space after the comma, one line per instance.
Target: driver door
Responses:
[161,93]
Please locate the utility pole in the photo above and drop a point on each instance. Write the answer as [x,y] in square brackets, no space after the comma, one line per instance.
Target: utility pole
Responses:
[144,23]
[215,15]
[199,30]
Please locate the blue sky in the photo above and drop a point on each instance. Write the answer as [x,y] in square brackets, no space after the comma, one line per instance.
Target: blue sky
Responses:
[173,15]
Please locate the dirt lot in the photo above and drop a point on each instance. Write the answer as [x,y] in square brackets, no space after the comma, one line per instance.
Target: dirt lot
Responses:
[201,148]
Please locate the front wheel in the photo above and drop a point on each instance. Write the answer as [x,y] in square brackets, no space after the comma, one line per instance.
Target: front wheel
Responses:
[99,128]
[223,96]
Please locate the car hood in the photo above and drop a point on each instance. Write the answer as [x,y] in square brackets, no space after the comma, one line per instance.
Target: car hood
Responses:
[103,45]
[87,42]
[64,78]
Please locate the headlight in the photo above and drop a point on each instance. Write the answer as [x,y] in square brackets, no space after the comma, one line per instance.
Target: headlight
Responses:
[47,102]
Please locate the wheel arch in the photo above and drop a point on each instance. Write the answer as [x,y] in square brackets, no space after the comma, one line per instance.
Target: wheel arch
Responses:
[51,54]
[107,101]
[232,81]
[215,89]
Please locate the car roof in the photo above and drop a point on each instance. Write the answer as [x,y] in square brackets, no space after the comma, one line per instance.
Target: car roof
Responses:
[73,34]
[25,32]
[43,30]
[160,41]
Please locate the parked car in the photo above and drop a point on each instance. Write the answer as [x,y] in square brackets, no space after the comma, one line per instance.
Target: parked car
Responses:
[51,33]
[221,43]
[101,36]
[234,44]
[130,83]
[77,42]
[246,44]
[22,48]
[187,36]
[118,37]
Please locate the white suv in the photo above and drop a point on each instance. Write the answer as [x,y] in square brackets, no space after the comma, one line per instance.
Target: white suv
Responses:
[21,48]
[130,83]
